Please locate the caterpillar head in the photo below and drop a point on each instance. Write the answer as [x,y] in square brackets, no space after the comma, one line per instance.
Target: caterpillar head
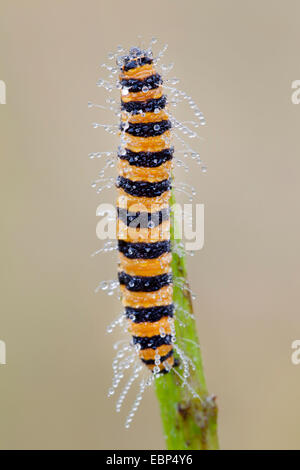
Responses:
[135,58]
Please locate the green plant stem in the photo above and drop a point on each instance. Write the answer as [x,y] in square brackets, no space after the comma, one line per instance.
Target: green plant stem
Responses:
[189,422]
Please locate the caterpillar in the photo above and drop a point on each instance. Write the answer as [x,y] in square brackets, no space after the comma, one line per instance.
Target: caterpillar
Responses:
[143,225]
[145,162]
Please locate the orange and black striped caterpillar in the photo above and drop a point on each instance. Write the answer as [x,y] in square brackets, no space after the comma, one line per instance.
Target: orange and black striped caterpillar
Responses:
[143,225]
[144,184]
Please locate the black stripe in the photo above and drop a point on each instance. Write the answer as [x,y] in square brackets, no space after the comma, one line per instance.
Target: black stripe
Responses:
[147,159]
[175,364]
[144,283]
[161,359]
[147,106]
[143,219]
[144,250]
[130,63]
[146,129]
[150,314]
[152,342]
[143,188]
[134,85]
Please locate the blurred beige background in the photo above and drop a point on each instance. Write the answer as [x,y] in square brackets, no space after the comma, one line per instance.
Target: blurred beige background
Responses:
[237,59]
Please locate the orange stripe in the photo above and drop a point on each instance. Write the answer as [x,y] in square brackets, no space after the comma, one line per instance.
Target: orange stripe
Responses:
[145,117]
[146,235]
[151,353]
[146,267]
[155,93]
[163,296]
[139,72]
[148,144]
[148,329]
[143,204]
[152,175]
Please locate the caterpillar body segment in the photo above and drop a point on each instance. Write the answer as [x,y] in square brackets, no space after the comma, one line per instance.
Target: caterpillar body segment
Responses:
[143,225]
